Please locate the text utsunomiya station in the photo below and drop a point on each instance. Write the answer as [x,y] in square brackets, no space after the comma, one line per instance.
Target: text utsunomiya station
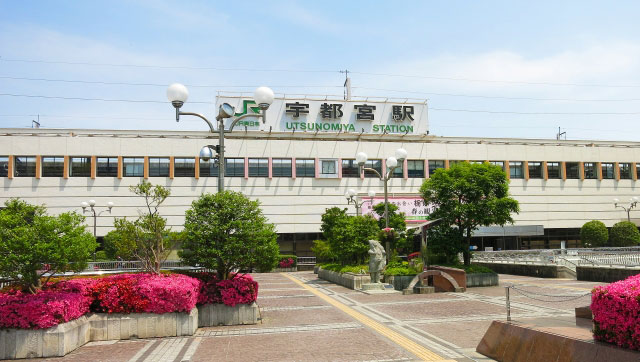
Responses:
[297,172]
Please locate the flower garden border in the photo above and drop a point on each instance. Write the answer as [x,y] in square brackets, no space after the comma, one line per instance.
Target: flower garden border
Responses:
[347,280]
[64,338]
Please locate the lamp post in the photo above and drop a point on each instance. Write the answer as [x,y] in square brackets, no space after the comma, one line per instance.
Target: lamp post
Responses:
[633,202]
[91,205]
[178,94]
[352,197]
[392,163]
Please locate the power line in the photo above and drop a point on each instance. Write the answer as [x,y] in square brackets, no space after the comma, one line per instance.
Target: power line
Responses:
[160,85]
[166,66]
[90,99]
[535,113]
[501,97]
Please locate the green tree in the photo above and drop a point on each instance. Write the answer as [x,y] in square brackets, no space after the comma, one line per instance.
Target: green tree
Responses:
[350,238]
[624,233]
[444,244]
[397,222]
[329,219]
[468,196]
[147,238]
[33,243]
[227,231]
[594,234]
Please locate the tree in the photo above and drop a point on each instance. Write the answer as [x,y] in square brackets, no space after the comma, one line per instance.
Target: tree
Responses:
[624,233]
[329,219]
[468,196]
[227,231]
[33,243]
[444,244]
[397,222]
[594,234]
[147,238]
[350,238]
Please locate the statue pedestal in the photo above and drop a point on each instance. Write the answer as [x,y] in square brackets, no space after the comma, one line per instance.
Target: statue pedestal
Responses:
[372,286]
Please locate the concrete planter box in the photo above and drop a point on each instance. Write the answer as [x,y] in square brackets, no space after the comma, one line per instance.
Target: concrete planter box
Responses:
[316,268]
[605,274]
[59,340]
[285,270]
[531,270]
[347,280]
[399,282]
[210,315]
[482,280]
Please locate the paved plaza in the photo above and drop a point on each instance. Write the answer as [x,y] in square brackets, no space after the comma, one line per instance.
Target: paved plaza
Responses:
[308,319]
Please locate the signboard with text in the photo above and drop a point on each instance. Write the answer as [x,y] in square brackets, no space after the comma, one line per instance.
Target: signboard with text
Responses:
[332,116]
[414,207]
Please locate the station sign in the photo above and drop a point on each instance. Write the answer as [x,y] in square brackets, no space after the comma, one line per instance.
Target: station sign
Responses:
[332,116]
[414,207]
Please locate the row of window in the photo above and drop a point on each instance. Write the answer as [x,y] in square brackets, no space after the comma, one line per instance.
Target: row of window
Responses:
[53,166]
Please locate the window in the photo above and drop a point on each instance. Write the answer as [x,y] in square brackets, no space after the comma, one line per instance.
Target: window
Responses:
[234,167]
[133,166]
[208,168]
[374,164]
[398,172]
[553,169]
[52,166]
[625,171]
[184,167]
[515,169]
[638,171]
[107,166]
[434,165]
[281,167]
[607,170]
[305,168]
[25,166]
[535,169]
[158,167]
[415,168]
[498,163]
[328,168]
[350,168]
[258,167]
[80,167]
[572,169]
[4,166]
[590,170]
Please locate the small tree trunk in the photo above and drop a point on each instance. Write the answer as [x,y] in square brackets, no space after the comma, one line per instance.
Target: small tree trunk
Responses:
[466,252]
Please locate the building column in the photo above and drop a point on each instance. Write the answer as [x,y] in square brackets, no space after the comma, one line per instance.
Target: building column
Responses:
[246,168]
[616,171]
[171,164]
[446,164]
[426,168]
[581,167]
[293,168]
[65,168]
[10,166]
[545,172]
[405,172]
[507,170]
[38,166]
[339,168]
[525,169]
[634,171]
[120,167]
[197,168]
[145,168]
[94,167]
[563,170]
[599,170]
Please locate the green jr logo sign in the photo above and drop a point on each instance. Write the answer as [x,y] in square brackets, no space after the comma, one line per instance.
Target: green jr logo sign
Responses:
[245,107]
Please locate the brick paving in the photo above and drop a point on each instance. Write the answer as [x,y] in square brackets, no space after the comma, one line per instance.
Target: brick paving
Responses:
[298,325]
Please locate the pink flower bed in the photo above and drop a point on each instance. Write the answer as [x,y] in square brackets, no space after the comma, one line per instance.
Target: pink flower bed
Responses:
[42,310]
[286,263]
[123,293]
[616,312]
[242,289]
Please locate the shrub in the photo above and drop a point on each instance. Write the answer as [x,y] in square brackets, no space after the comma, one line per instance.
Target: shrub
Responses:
[339,268]
[322,251]
[594,234]
[288,261]
[241,289]
[624,233]
[414,255]
[41,310]
[615,312]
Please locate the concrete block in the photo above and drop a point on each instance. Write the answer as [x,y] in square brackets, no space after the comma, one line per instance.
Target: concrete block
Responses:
[210,315]
[407,291]
[424,290]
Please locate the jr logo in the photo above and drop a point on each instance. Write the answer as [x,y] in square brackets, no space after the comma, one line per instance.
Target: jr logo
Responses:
[245,107]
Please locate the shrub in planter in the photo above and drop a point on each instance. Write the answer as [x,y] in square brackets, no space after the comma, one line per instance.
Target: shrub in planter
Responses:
[241,289]
[624,233]
[288,261]
[594,234]
[44,309]
[616,312]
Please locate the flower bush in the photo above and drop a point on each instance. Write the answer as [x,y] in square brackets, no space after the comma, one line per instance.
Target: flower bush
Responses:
[616,312]
[413,255]
[242,289]
[66,300]
[41,310]
[286,263]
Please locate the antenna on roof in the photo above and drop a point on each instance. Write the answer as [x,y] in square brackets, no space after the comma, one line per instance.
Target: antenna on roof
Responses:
[347,85]
[35,123]
[560,134]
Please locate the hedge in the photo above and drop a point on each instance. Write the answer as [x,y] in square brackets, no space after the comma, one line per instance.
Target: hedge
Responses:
[616,312]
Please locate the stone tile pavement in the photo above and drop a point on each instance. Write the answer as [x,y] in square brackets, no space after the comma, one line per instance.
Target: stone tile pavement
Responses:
[307,319]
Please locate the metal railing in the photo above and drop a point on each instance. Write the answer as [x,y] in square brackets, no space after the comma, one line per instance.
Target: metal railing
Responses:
[130,265]
[306,260]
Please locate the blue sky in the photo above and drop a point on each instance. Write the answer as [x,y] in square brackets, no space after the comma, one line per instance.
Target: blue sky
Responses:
[488,69]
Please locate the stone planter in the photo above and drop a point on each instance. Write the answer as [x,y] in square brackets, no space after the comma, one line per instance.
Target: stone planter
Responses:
[482,280]
[59,340]
[210,315]
[347,280]
[399,282]
[315,269]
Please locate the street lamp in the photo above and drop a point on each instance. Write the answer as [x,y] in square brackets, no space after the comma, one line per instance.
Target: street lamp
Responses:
[352,197]
[178,94]
[392,163]
[91,205]
[633,202]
